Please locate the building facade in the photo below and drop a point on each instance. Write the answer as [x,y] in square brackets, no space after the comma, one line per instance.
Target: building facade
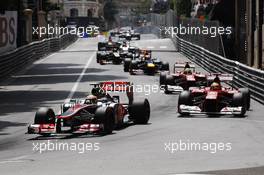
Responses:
[82,8]
[250,22]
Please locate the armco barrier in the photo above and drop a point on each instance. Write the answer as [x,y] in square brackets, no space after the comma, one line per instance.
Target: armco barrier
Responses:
[13,61]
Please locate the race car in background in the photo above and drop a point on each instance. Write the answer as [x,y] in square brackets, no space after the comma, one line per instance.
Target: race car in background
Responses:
[131,53]
[182,78]
[216,99]
[109,52]
[108,56]
[98,113]
[145,63]
[108,44]
[127,34]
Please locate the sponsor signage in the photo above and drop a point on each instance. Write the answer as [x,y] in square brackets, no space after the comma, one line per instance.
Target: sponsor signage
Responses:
[8,31]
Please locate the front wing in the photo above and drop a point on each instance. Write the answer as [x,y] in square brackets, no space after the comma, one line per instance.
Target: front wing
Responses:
[51,129]
[197,110]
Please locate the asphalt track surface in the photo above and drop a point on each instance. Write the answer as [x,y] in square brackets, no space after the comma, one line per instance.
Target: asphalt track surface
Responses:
[135,149]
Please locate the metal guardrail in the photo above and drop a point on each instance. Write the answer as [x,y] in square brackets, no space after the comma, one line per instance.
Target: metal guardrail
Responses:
[15,60]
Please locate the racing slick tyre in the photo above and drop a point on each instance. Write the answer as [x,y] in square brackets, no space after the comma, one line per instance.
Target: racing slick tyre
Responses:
[105,116]
[184,99]
[117,61]
[127,63]
[44,116]
[98,57]
[165,66]
[246,94]
[58,126]
[240,100]
[150,71]
[140,112]
[169,80]
[101,62]
[162,78]
[133,65]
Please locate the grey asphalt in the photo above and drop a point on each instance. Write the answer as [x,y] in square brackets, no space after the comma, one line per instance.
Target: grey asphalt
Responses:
[135,149]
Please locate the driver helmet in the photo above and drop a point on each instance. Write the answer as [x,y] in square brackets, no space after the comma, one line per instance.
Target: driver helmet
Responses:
[91,99]
[187,71]
[215,86]
[187,65]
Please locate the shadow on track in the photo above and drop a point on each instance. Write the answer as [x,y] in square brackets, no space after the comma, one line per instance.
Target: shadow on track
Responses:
[7,124]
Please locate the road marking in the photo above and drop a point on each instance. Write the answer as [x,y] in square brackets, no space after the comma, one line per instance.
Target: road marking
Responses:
[74,88]
[163,47]
[16,159]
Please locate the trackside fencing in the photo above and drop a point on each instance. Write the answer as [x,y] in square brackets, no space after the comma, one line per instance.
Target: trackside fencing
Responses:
[15,60]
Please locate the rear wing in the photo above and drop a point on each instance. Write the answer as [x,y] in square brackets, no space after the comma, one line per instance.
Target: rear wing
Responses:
[182,65]
[222,77]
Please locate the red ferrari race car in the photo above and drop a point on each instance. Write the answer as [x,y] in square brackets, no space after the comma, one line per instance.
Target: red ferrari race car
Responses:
[98,113]
[215,99]
[182,78]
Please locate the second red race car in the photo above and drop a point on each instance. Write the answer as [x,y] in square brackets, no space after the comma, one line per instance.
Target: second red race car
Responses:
[216,99]
[182,78]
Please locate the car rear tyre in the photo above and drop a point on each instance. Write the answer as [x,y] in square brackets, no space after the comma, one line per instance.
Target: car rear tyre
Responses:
[117,61]
[132,66]
[58,126]
[98,57]
[165,66]
[169,80]
[162,78]
[127,63]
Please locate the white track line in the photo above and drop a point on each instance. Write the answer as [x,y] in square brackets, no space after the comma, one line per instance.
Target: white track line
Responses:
[74,88]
